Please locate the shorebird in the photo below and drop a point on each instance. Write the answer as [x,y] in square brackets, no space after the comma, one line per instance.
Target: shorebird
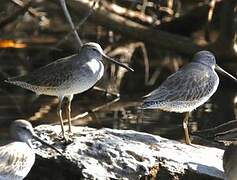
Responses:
[188,88]
[67,76]
[230,161]
[17,157]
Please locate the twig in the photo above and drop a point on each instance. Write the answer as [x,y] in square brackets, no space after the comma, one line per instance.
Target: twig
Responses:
[31,11]
[130,14]
[69,19]
[88,14]
[154,77]
[137,31]
[95,109]
[82,115]
[144,5]
[127,51]
[105,105]
[79,24]
[146,62]
[106,92]
[209,19]
[14,16]
[44,110]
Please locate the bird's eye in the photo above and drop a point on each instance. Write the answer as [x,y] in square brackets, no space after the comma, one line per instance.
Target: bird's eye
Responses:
[25,128]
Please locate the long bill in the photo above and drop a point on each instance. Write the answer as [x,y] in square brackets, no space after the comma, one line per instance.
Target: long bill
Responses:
[117,63]
[45,143]
[219,69]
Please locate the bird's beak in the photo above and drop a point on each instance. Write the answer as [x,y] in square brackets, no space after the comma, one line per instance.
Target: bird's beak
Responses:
[116,62]
[45,143]
[222,71]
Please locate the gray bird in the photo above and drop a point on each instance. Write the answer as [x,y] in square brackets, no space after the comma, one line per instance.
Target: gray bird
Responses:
[17,157]
[67,76]
[188,88]
[230,161]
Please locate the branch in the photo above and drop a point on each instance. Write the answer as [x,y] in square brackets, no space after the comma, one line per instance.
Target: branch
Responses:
[79,24]
[187,23]
[69,19]
[14,16]
[135,30]
[212,5]
[130,14]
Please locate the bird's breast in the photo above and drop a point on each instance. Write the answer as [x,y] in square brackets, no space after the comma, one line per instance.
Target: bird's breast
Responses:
[96,68]
[84,78]
[17,158]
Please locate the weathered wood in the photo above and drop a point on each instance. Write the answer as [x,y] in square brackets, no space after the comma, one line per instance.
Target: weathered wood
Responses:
[14,15]
[153,36]
[134,30]
[124,154]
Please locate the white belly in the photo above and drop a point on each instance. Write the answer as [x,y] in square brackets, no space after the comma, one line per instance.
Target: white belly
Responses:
[17,158]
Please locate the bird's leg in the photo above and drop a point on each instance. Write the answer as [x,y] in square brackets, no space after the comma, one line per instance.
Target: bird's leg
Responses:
[59,112]
[69,113]
[140,118]
[185,126]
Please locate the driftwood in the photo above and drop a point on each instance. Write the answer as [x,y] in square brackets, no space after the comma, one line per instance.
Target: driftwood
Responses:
[134,30]
[173,35]
[154,36]
[14,15]
[123,154]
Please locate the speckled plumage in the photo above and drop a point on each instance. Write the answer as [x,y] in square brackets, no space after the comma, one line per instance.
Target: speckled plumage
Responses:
[67,76]
[16,160]
[17,157]
[185,90]
[188,88]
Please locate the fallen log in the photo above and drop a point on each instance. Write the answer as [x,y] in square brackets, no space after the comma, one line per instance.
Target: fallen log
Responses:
[132,29]
[152,36]
[123,154]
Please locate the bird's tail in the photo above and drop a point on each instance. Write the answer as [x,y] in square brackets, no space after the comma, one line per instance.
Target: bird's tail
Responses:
[149,105]
[17,83]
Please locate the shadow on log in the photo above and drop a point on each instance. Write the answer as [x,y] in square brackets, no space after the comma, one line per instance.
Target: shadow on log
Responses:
[123,154]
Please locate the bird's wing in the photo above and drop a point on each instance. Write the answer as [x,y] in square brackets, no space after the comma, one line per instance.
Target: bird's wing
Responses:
[15,160]
[51,75]
[187,84]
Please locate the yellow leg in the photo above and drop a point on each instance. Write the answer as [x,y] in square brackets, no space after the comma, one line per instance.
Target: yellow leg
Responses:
[69,113]
[59,112]
[185,126]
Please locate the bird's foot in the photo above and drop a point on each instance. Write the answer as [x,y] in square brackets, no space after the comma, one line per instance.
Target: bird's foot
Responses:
[188,142]
[65,139]
[70,133]
[193,145]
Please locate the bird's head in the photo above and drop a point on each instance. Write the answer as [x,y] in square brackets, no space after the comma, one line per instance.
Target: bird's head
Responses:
[22,130]
[205,57]
[94,51]
[208,59]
